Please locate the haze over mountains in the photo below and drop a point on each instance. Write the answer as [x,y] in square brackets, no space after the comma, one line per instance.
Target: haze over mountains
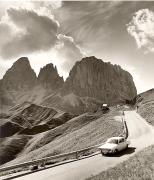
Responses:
[91,82]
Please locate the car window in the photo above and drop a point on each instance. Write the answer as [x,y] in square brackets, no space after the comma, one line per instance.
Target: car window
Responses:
[112,141]
[121,140]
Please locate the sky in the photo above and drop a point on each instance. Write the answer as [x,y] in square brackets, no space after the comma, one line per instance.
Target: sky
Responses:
[63,32]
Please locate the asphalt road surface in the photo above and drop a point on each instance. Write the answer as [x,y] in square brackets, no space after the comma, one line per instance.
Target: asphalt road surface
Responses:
[140,134]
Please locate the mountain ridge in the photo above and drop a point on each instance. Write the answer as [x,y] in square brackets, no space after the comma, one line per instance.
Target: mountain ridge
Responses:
[89,78]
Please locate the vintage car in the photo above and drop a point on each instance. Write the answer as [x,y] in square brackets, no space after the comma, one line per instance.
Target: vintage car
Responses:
[113,145]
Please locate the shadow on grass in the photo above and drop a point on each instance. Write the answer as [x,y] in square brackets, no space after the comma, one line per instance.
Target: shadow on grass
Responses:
[129,150]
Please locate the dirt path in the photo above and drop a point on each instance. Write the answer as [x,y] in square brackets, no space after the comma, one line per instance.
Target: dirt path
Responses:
[141,135]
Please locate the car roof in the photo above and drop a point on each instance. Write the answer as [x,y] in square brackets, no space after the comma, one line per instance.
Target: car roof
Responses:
[116,138]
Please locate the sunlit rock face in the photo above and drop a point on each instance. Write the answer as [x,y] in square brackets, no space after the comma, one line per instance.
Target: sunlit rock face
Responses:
[49,77]
[91,77]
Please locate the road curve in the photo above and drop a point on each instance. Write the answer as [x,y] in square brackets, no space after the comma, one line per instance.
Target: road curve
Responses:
[140,134]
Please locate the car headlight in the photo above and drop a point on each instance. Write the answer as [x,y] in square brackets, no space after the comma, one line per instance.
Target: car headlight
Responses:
[106,150]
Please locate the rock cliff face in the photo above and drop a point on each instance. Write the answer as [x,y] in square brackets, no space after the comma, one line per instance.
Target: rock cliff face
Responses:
[19,76]
[91,77]
[20,84]
[49,77]
[22,76]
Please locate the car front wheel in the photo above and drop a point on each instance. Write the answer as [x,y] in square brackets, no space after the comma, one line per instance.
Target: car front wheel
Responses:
[115,151]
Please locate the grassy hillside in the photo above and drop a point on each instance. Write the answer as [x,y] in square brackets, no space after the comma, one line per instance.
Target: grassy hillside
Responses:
[146,105]
[33,115]
[80,132]
[147,112]
[11,146]
[9,128]
[140,166]
[35,118]
[23,121]
[72,103]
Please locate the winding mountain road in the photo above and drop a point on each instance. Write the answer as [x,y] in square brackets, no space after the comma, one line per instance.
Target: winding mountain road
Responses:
[140,135]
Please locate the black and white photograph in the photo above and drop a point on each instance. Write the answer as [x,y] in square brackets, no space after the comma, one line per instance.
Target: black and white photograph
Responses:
[76,90]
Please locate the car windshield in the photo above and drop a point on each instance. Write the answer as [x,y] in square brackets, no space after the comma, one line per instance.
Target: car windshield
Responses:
[112,141]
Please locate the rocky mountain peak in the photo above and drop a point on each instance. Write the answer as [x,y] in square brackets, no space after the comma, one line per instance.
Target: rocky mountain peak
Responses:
[91,77]
[49,77]
[23,61]
[19,76]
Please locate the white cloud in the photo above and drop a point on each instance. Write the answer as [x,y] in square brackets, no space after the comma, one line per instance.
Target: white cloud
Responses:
[4,66]
[141,28]
[26,32]
[30,29]
[63,55]
[68,52]
[27,26]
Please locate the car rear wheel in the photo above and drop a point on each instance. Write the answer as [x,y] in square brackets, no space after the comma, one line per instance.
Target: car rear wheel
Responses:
[102,153]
